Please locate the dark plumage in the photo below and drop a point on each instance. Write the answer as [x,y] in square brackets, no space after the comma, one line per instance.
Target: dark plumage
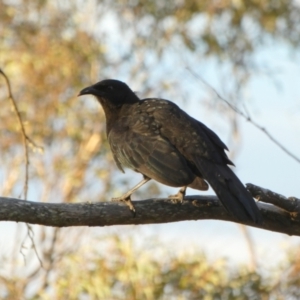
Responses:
[156,138]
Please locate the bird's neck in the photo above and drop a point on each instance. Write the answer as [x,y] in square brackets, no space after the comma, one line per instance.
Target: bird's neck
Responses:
[114,114]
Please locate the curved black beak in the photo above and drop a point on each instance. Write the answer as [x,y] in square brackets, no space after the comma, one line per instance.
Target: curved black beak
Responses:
[87,91]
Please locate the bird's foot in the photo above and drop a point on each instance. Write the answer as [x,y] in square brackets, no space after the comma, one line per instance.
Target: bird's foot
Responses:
[127,200]
[178,198]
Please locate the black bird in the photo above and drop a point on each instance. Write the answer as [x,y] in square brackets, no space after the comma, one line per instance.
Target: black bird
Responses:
[159,140]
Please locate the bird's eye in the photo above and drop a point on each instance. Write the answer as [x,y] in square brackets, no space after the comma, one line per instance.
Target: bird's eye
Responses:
[110,87]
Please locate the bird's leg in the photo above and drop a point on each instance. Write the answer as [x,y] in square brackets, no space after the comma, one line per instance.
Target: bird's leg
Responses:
[179,196]
[127,196]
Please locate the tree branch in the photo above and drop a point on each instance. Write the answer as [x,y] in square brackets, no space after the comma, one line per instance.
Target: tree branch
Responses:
[26,141]
[151,211]
[23,132]
[290,204]
[246,116]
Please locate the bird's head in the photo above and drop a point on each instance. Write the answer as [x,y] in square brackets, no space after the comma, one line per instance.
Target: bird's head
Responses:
[111,92]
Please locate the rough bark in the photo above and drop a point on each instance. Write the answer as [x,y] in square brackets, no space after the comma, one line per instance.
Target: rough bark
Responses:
[280,214]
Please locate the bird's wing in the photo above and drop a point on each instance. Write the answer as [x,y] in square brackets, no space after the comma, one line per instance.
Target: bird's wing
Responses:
[204,151]
[137,144]
[188,135]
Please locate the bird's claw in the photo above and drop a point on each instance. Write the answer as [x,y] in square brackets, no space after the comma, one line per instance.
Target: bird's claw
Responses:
[127,201]
[178,198]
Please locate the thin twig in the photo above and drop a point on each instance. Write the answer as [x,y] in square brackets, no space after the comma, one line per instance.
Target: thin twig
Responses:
[24,136]
[31,236]
[25,140]
[30,233]
[247,117]
[51,259]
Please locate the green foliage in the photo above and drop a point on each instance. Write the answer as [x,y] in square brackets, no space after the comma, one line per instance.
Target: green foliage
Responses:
[227,30]
[123,270]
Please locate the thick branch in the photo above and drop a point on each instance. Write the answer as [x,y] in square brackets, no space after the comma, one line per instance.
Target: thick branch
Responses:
[151,211]
[291,204]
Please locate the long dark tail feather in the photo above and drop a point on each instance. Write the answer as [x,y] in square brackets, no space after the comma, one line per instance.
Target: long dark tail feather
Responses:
[231,192]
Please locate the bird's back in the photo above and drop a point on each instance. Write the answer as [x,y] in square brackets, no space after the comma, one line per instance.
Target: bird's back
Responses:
[166,144]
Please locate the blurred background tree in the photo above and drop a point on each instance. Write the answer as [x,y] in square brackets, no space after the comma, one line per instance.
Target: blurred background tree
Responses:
[52,49]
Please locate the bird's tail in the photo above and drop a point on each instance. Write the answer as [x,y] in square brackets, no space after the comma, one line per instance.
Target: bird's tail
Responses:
[231,192]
